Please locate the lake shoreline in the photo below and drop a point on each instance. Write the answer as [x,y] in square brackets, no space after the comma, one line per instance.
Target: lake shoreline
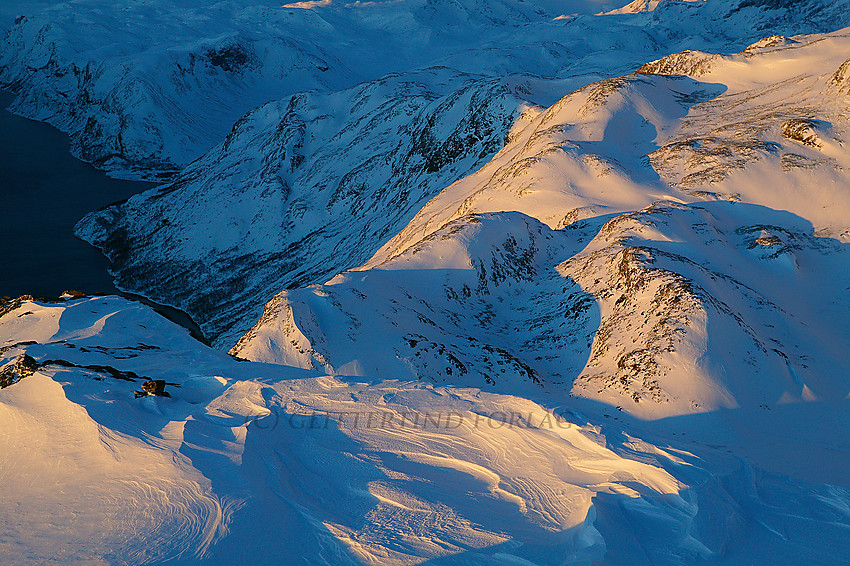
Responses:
[46,191]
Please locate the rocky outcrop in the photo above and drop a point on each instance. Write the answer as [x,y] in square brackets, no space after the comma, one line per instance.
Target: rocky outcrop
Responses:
[690,63]
[21,367]
[839,82]
[802,131]
[767,43]
[489,317]
[155,387]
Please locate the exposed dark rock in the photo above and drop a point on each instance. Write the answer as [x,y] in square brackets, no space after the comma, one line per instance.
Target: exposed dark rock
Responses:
[155,387]
[73,294]
[803,131]
[407,142]
[8,304]
[230,58]
[840,81]
[690,63]
[14,371]
[113,372]
[770,41]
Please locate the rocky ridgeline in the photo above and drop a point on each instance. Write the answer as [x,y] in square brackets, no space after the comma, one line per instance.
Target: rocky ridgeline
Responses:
[690,63]
[17,369]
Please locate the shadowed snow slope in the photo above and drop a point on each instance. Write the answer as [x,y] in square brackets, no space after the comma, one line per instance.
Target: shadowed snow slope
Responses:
[250,462]
[307,188]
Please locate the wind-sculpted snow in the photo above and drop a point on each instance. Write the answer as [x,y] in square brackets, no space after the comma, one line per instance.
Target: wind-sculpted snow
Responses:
[259,463]
[128,502]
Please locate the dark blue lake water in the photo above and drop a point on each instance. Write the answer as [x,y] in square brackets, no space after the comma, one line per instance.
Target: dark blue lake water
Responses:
[44,191]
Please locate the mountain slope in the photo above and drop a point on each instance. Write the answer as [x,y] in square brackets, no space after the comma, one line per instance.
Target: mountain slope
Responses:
[144,89]
[338,175]
[340,154]
[540,276]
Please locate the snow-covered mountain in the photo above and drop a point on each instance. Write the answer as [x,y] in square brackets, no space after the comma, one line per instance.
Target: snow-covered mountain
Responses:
[513,282]
[294,226]
[620,235]
[337,175]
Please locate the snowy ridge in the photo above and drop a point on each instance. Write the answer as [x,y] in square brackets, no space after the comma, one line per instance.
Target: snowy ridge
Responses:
[144,89]
[489,301]
[642,6]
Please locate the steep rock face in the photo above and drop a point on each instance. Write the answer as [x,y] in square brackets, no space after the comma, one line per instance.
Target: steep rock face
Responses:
[271,206]
[337,175]
[558,159]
